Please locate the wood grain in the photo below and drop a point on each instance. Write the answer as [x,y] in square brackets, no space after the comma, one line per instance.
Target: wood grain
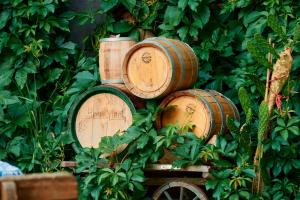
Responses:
[111,55]
[158,66]
[101,111]
[101,115]
[47,186]
[207,110]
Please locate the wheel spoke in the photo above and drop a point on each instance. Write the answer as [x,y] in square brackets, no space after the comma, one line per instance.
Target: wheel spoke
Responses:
[181,193]
[195,198]
[168,195]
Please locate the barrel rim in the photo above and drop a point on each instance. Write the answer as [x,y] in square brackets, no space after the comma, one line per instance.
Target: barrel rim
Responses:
[223,117]
[82,98]
[232,105]
[112,81]
[177,94]
[166,84]
[117,39]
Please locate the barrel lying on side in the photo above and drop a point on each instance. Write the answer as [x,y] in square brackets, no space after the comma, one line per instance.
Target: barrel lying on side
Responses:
[207,110]
[158,66]
[101,111]
[111,55]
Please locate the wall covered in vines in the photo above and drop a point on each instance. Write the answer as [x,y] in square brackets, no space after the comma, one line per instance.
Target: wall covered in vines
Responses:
[43,71]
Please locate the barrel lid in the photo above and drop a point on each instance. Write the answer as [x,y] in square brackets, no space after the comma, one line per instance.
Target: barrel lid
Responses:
[116,39]
[148,69]
[187,108]
[99,111]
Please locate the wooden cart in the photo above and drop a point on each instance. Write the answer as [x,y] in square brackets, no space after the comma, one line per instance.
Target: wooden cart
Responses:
[172,184]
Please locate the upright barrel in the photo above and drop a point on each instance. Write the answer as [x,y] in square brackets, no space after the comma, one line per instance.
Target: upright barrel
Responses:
[206,110]
[158,66]
[111,55]
[101,111]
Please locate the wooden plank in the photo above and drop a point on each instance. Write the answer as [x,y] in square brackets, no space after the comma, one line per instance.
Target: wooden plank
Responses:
[164,167]
[70,164]
[8,191]
[154,167]
[160,181]
[46,186]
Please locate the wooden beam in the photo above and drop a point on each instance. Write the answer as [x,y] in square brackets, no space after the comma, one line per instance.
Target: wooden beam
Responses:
[160,181]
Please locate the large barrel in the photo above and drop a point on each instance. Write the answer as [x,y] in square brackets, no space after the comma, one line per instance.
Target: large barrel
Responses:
[111,56]
[101,111]
[158,66]
[206,109]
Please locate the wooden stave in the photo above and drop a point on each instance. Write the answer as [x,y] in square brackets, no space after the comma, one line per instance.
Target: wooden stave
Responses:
[171,85]
[193,92]
[116,89]
[108,77]
[183,65]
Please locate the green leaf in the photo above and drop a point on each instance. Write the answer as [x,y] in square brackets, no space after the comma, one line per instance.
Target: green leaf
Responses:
[15,145]
[126,164]
[284,134]
[142,141]
[193,32]
[5,77]
[107,5]
[21,77]
[172,15]
[183,32]
[244,194]
[250,172]
[202,18]
[54,74]
[138,178]
[263,124]
[244,99]
[68,45]
[193,4]
[296,163]
[274,24]
[264,44]
[131,134]
[7,99]
[4,17]
[294,130]
[232,126]
[294,120]
[138,186]
[85,75]
[182,4]
[287,167]
[252,17]
[260,86]
[280,122]
[296,33]
[114,180]
[120,27]
[257,53]
[129,4]
[234,197]
[4,37]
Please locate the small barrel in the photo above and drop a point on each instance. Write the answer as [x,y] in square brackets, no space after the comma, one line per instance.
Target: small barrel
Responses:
[158,66]
[206,109]
[111,55]
[101,111]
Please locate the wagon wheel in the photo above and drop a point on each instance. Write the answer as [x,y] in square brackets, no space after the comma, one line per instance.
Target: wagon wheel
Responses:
[178,190]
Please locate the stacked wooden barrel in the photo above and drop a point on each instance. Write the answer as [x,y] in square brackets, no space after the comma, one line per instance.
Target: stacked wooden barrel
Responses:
[159,68]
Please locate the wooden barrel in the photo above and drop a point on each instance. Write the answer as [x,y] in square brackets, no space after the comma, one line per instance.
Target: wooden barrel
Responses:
[206,109]
[111,56]
[101,111]
[158,66]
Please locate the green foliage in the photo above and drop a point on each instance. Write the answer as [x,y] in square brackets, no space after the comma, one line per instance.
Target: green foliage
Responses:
[38,64]
[43,73]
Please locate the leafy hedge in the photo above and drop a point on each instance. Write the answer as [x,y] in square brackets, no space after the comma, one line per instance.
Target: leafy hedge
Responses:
[42,73]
